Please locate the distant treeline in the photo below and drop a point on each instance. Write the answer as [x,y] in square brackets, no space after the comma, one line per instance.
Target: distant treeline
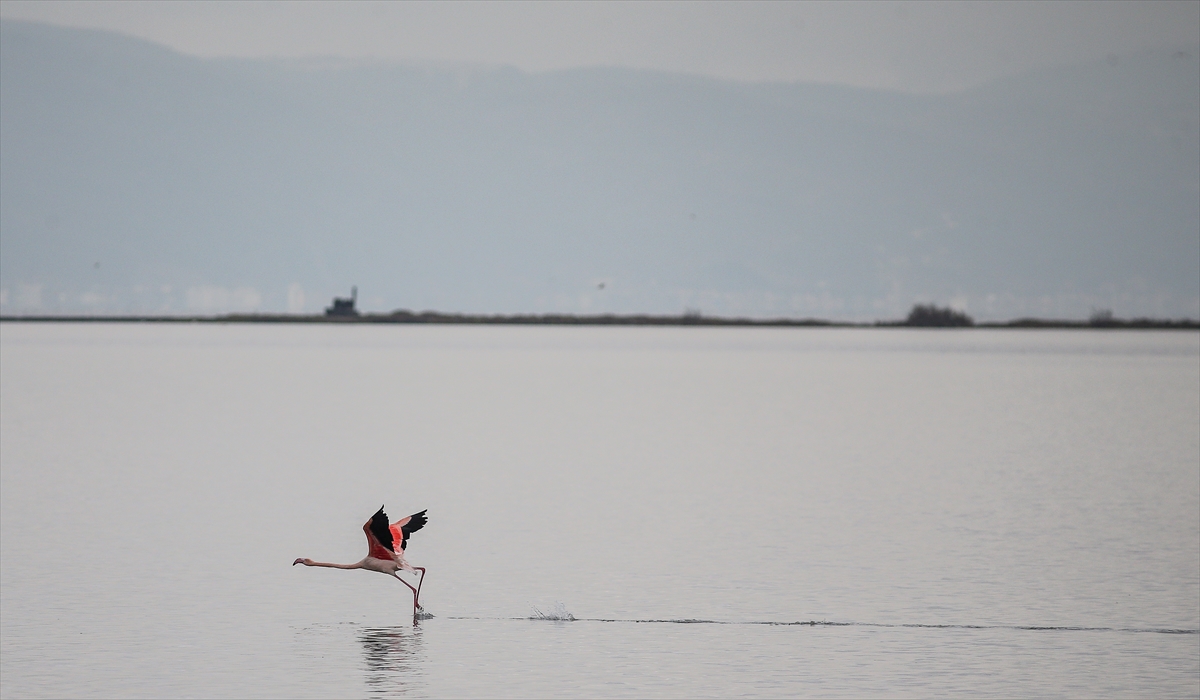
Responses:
[932,316]
[921,316]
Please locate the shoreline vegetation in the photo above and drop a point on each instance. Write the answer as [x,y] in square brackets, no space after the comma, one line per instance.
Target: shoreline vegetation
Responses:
[922,316]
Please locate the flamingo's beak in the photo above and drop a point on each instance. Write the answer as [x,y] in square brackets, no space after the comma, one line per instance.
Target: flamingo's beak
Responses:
[297,562]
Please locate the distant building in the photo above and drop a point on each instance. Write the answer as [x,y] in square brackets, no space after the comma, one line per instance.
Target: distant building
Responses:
[344,307]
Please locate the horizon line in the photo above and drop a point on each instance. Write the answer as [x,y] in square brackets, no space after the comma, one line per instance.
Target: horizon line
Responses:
[404,316]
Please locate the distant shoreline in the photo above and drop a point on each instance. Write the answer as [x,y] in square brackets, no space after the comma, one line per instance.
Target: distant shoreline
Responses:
[437,318]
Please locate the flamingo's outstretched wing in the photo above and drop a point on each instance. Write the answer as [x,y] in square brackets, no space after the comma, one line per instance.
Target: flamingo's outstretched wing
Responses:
[405,527]
[379,536]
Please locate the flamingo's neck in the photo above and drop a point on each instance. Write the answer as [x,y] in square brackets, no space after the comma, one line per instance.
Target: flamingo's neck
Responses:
[356,565]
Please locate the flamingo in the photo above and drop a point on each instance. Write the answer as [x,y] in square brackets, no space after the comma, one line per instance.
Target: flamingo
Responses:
[385,550]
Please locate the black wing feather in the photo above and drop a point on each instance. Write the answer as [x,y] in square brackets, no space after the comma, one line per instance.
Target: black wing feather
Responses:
[416,521]
[379,528]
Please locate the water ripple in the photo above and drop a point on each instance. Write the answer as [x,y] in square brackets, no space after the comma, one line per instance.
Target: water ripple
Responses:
[829,623]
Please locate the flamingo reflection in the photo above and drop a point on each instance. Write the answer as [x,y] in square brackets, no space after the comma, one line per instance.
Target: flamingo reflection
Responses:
[394,656]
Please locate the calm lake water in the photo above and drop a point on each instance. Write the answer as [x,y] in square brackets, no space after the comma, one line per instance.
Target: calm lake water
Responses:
[960,513]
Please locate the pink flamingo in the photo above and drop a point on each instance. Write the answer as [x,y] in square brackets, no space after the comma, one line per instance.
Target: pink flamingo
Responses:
[385,553]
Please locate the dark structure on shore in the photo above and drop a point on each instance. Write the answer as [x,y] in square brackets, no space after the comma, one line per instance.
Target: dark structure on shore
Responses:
[344,307]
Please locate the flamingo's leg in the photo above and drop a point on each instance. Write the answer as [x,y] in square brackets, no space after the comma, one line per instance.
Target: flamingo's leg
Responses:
[422,580]
[416,606]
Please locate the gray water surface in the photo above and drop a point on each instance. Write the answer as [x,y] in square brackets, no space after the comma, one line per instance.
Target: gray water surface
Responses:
[986,513]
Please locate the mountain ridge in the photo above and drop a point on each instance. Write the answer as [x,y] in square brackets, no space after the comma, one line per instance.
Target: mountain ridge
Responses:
[137,179]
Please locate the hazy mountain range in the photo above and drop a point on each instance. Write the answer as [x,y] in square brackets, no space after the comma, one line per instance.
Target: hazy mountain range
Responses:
[135,179]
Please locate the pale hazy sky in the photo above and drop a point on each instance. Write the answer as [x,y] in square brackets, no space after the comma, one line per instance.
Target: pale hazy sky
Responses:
[913,46]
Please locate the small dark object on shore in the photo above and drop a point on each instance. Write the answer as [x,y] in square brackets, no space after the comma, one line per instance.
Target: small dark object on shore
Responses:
[344,307]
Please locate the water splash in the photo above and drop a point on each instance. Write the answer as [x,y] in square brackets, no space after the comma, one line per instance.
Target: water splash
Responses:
[558,613]
[422,615]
